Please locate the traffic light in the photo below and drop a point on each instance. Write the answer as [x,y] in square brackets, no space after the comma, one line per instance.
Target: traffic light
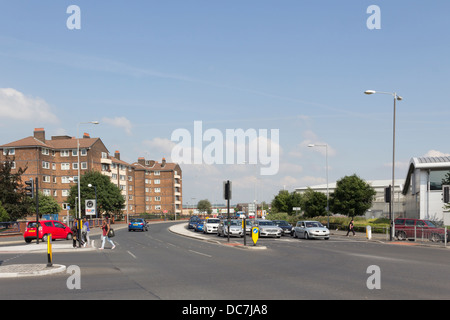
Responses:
[30,188]
[446,190]
[227,190]
[387,194]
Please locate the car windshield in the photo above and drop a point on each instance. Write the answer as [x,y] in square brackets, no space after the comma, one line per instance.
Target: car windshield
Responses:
[32,224]
[265,223]
[313,224]
[136,220]
[282,223]
[430,224]
[213,220]
[234,223]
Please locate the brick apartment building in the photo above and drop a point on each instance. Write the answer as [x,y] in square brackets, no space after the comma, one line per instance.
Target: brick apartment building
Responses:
[147,186]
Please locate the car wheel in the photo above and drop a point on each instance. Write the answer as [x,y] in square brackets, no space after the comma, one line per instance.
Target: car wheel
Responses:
[401,235]
[45,238]
[69,236]
[27,240]
[435,237]
[306,235]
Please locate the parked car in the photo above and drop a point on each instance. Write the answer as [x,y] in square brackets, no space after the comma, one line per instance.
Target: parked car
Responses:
[235,228]
[199,225]
[137,224]
[249,226]
[311,230]
[417,228]
[192,221]
[211,225]
[43,228]
[284,225]
[268,228]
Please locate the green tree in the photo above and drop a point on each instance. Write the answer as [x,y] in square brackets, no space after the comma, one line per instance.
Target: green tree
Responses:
[12,191]
[109,197]
[204,206]
[4,216]
[314,203]
[352,196]
[48,205]
[285,201]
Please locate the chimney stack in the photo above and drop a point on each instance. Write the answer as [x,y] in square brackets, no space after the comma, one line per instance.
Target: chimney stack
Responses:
[141,160]
[117,155]
[39,134]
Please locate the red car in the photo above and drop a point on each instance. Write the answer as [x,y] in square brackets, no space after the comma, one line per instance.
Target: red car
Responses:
[417,229]
[57,229]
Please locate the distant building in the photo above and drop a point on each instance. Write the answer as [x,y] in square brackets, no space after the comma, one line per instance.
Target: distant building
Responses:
[423,187]
[379,208]
[147,186]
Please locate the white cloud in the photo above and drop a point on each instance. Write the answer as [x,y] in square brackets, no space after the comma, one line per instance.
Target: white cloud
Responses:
[159,147]
[120,122]
[15,105]
[435,153]
[312,138]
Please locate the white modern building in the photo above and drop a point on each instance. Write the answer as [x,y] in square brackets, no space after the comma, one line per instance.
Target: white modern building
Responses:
[423,187]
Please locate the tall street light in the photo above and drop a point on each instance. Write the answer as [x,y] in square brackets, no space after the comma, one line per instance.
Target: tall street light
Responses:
[78,154]
[328,194]
[391,203]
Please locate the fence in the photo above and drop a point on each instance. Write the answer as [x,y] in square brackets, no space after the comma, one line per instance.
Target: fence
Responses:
[423,234]
[7,228]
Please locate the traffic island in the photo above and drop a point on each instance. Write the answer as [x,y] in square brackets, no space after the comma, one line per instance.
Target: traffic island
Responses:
[29,270]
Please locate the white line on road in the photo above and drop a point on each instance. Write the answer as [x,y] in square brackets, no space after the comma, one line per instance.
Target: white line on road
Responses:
[132,254]
[203,254]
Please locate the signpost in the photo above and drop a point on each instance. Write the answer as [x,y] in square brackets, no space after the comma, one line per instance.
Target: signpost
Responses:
[255,235]
[49,250]
[90,207]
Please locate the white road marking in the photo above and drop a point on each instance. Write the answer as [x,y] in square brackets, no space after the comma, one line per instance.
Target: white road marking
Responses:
[203,254]
[132,254]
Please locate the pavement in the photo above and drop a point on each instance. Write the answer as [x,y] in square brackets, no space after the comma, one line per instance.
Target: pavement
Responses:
[13,245]
[26,270]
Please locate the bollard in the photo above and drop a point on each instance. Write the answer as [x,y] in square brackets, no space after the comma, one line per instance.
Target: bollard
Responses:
[49,250]
[369,232]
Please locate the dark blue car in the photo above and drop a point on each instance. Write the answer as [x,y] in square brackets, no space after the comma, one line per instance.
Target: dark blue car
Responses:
[192,222]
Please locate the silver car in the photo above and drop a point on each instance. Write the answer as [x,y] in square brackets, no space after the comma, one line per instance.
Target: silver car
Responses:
[235,228]
[268,228]
[211,225]
[311,230]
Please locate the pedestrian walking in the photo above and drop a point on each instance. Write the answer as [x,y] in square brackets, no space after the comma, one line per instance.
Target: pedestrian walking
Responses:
[105,235]
[85,232]
[351,228]
[76,234]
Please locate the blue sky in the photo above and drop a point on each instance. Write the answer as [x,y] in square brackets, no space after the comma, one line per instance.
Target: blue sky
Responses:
[147,68]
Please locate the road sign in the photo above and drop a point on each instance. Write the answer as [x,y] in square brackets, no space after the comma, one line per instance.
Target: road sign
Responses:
[90,207]
[255,235]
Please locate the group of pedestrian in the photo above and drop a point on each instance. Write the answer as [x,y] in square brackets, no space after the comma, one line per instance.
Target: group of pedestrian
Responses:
[84,239]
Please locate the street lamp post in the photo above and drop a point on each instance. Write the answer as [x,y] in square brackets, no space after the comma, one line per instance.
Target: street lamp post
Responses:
[328,194]
[78,155]
[391,203]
